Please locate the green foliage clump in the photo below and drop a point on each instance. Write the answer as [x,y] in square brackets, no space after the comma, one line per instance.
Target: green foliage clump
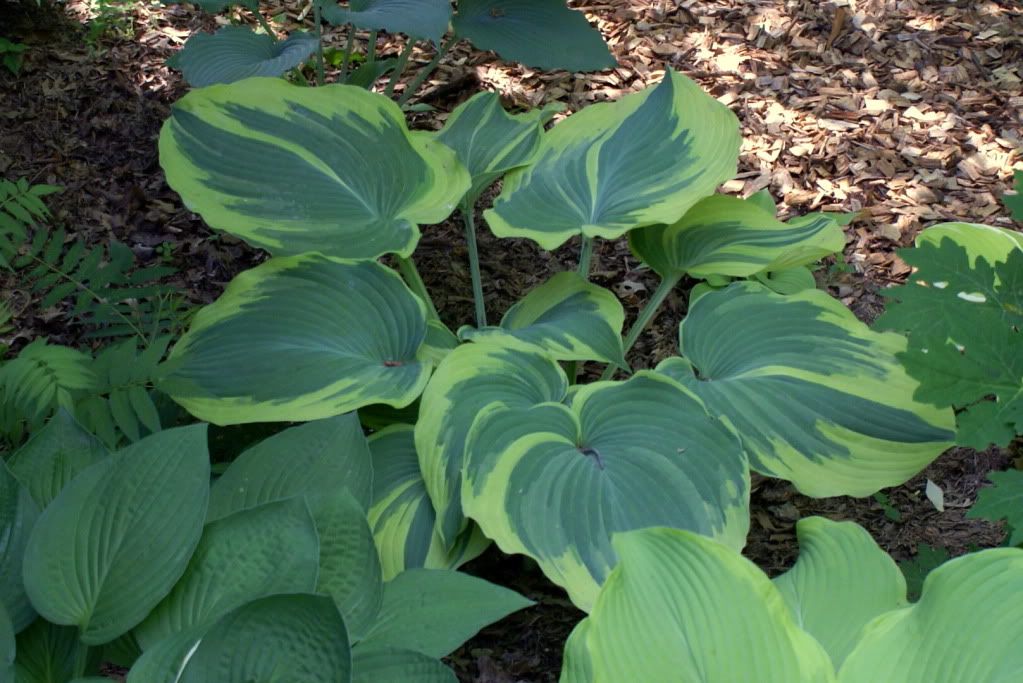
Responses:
[12,54]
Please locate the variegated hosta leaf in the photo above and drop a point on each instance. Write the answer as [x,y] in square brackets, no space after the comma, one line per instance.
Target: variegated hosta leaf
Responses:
[568,317]
[470,378]
[642,160]
[991,242]
[236,52]
[293,170]
[489,141]
[556,482]
[420,18]
[301,338]
[723,235]
[681,607]
[840,582]
[967,626]
[402,517]
[816,396]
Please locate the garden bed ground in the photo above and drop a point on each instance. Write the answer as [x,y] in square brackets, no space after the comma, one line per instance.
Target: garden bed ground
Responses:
[909,111]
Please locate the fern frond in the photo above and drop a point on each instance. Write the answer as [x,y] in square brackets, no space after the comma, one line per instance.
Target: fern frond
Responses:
[43,377]
[21,207]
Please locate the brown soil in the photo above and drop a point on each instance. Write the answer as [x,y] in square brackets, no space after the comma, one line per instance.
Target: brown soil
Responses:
[908,110]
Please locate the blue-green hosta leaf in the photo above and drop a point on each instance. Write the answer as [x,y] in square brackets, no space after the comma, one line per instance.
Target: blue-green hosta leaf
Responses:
[46,653]
[964,324]
[1004,500]
[299,638]
[489,141]
[567,317]
[92,559]
[317,458]
[723,235]
[967,626]
[439,342]
[292,170]
[54,456]
[419,18]
[540,33]
[301,338]
[642,160]
[8,647]
[349,565]
[433,611]
[18,515]
[556,482]
[817,397]
[394,665]
[470,378]
[991,242]
[840,582]
[402,517]
[260,551]
[236,52]
[681,607]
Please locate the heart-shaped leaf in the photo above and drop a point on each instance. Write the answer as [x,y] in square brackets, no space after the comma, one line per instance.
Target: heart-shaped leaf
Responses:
[302,338]
[393,665]
[555,482]
[18,515]
[54,456]
[489,141]
[46,653]
[568,317]
[236,52]
[333,170]
[540,33]
[967,626]
[349,566]
[91,560]
[816,396]
[991,242]
[317,458]
[734,237]
[840,582]
[402,517]
[420,18]
[299,636]
[257,552]
[471,377]
[433,611]
[612,167]
[671,609]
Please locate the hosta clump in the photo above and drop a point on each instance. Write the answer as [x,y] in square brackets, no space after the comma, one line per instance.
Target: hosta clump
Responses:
[672,609]
[962,311]
[494,439]
[133,555]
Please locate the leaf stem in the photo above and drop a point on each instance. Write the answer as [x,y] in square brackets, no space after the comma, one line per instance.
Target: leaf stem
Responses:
[81,658]
[399,68]
[425,72]
[585,256]
[265,25]
[349,44]
[468,211]
[645,316]
[371,47]
[320,77]
[408,270]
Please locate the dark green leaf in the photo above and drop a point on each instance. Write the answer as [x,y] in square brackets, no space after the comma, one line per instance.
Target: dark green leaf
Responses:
[1004,500]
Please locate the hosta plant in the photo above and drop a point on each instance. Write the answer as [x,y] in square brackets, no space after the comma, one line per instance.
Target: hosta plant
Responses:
[132,556]
[540,33]
[489,436]
[680,607]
